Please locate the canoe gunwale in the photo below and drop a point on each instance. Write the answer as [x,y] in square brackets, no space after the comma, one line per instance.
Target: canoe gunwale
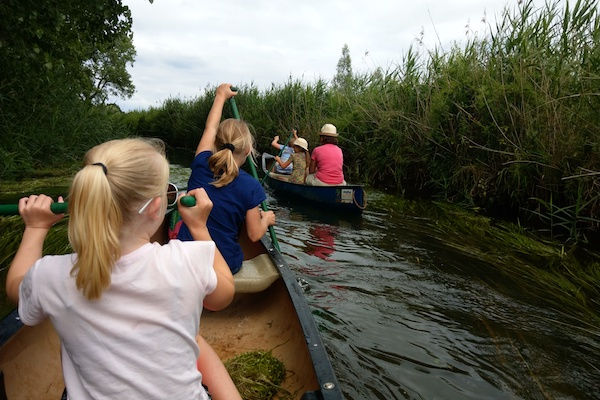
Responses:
[328,384]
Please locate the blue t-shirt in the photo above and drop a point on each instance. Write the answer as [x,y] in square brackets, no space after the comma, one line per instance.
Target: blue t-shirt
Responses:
[287,152]
[230,203]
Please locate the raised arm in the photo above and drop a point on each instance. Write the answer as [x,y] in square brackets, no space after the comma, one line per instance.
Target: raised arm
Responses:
[35,211]
[207,140]
[275,143]
[195,219]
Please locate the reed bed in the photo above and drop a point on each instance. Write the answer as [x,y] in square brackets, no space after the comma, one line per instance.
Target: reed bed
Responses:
[507,123]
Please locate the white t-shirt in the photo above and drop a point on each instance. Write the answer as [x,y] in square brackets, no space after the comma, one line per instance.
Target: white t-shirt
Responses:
[138,340]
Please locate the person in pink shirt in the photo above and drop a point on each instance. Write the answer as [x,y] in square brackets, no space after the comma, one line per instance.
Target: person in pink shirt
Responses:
[326,160]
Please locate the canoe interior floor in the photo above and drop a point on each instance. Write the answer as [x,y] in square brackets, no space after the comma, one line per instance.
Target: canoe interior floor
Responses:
[263,321]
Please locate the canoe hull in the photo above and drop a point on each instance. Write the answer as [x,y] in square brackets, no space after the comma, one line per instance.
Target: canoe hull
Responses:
[344,198]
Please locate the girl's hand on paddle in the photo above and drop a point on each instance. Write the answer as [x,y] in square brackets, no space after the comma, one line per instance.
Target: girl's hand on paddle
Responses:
[36,213]
[268,217]
[224,90]
[195,217]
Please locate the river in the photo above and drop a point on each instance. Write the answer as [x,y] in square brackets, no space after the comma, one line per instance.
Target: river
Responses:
[406,313]
[406,316]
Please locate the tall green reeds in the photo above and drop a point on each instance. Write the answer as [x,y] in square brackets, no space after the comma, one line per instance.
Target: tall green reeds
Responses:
[508,123]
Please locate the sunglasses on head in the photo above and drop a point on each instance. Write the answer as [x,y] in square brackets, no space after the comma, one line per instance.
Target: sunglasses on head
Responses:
[172,195]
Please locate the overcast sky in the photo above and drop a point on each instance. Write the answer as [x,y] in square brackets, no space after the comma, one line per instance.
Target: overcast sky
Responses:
[184,45]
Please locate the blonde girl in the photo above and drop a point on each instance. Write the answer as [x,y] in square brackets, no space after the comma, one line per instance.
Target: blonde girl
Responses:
[127,311]
[236,195]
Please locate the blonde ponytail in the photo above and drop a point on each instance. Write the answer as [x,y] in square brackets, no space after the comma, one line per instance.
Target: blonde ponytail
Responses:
[117,178]
[233,138]
[95,236]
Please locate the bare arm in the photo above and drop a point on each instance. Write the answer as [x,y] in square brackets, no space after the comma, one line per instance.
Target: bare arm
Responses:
[195,219]
[275,143]
[207,140]
[283,164]
[35,211]
[214,373]
[257,222]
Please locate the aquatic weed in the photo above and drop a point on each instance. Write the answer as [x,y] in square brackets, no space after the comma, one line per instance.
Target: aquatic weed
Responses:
[258,375]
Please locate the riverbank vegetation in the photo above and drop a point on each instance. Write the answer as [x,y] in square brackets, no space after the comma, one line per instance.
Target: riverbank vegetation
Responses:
[566,278]
[507,123]
[59,61]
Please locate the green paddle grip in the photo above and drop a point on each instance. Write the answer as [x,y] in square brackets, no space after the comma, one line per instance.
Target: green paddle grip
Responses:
[188,201]
[61,208]
[13,209]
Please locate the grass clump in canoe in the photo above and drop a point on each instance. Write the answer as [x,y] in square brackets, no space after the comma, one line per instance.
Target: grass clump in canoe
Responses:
[258,375]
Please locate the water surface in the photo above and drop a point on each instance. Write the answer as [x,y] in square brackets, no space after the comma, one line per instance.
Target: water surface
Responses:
[406,315]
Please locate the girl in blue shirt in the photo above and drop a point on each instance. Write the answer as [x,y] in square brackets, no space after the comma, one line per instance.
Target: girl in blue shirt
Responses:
[236,195]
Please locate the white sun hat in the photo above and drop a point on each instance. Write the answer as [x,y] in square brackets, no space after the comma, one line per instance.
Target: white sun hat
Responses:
[329,130]
[302,143]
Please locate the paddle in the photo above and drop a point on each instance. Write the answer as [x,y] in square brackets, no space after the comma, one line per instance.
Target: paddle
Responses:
[280,153]
[190,201]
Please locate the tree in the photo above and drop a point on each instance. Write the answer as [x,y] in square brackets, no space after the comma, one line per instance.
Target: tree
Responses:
[108,72]
[58,59]
[63,42]
[343,76]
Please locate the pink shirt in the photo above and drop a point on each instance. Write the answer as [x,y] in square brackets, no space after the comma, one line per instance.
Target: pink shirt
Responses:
[329,160]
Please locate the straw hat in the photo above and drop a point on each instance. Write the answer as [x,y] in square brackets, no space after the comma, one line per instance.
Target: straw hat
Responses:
[302,143]
[328,130]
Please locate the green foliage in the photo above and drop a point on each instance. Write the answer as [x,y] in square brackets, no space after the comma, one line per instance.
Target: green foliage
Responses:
[108,69]
[57,60]
[507,123]
[343,76]
[61,42]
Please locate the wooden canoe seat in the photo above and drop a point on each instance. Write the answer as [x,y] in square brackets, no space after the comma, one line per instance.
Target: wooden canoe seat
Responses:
[256,275]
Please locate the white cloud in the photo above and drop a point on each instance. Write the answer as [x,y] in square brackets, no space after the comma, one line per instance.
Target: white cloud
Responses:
[184,45]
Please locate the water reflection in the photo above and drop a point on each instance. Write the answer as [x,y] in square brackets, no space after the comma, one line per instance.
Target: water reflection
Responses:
[321,243]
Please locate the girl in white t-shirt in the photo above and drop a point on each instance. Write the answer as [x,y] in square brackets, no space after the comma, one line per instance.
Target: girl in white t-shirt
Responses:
[127,311]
